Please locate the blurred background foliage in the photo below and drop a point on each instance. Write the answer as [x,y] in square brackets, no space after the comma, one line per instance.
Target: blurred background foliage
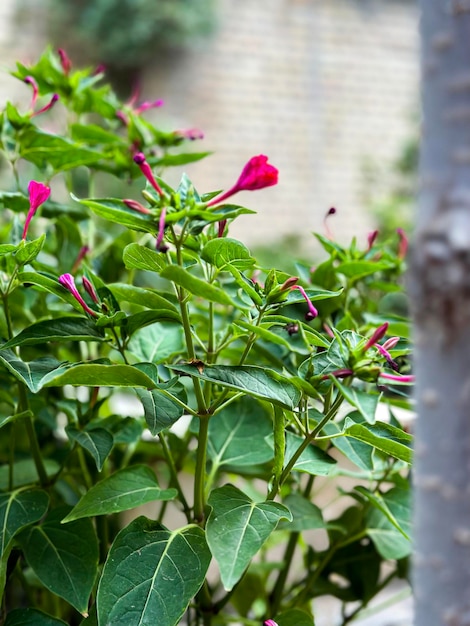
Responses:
[127,35]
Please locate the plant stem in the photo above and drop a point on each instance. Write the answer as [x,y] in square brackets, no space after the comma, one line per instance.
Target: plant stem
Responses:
[174,481]
[200,473]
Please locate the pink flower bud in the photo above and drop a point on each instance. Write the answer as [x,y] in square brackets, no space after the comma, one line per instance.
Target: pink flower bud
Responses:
[409,378]
[377,336]
[29,80]
[289,283]
[403,243]
[256,174]
[146,170]
[148,105]
[161,229]
[52,101]
[80,256]
[390,343]
[371,237]
[312,311]
[342,373]
[328,231]
[221,228]
[90,289]
[136,206]
[65,62]
[67,281]
[38,194]
[190,133]
[270,622]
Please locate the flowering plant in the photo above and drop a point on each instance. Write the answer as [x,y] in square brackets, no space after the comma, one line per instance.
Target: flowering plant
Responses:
[147,359]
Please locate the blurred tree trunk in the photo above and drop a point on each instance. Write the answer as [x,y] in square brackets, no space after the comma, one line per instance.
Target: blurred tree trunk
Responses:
[440,289]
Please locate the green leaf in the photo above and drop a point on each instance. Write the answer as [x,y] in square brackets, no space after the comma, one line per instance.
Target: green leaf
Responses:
[32,374]
[61,154]
[225,251]
[140,257]
[25,473]
[64,558]
[98,442]
[31,617]
[194,285]
[312,460]
[294,296]
[28,251]
[389,541]
[255,381]
[356,451]
[18,509]
[117,211]
[378,501]
[124,490]
[263,333]
[160,410]
[151,574]
[389,439]
[236,529]
[360,269]
[138,295]
[245,284]
[94,135]
[59,329]
[157,343]
[306,515]
[233,431]
[142,319]
[294,617]
[181,159]
[92,374]
[364,401]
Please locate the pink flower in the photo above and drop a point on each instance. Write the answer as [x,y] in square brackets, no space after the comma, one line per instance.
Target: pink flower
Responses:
[80,256]
[161,231]
[65,62]
[29,80]
[137,110]
[190,133]
[270,622]
[38,194]
[371,237]
[90,289]
[146,170]
[67,281]
[312,311]
[256,174]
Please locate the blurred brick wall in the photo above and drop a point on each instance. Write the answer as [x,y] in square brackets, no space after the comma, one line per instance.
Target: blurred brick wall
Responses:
[320,86]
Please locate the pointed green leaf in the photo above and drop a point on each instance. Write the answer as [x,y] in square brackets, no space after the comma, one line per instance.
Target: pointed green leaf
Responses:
[159,409]
[233,431]
[32,374]
[384,437]
[28,251]
[157,343]
[117,211]
[59,329]
[306,515]
[194,285]
[255,381]
[63,557]
[151,574]
[364,401]
[92,374]
[98,442]
[140,257]
[378,501]
[356,451]
[18,509]
[61,154]
[122,491]
[294,617]
[31,617]
[236,529]
[25,473]
[313,460]
[389,541]
[360,269]
[143,297]
[225,251]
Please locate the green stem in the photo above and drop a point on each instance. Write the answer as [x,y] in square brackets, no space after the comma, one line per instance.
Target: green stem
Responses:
[200,472]
[84,467]
[174,480]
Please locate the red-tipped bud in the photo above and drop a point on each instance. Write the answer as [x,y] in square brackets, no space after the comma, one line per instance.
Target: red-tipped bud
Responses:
[289,283]
[81,255]
[377,336]
[408,378]
[402,244]
[29,80]
[65,62]
[90,289]
[221,228]
[371,237]
[136,206]
[161,231]
[148,105]
[146,170]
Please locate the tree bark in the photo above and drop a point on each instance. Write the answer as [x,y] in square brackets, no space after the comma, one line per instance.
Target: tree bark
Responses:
[440,292]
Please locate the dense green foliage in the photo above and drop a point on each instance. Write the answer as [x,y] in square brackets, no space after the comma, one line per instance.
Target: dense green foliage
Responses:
[254,389]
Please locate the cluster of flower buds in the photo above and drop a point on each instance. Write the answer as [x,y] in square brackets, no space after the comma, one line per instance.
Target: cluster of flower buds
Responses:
[68,281]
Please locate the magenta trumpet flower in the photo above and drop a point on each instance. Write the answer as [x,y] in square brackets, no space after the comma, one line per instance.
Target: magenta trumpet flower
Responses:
[312,311]
[270,622]
[256,174]
[38,194]
[67,281]
[406,378]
